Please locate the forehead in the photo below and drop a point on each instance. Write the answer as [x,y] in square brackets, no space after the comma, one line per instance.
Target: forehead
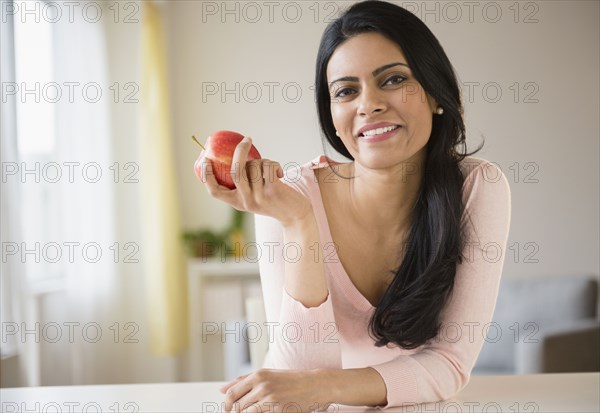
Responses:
[361,54]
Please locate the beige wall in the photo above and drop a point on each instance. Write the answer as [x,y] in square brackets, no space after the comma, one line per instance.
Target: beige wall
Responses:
[548,52]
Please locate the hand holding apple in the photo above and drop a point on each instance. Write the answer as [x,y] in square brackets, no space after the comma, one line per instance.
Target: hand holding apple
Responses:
[233,171]
[220,147]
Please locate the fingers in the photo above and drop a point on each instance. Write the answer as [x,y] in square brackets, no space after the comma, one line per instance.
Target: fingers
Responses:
[198,166]
[207,176]
[237,395]
[254,173]
[254,408]
[251,178]
[271,172]
[238,166]
[225,387]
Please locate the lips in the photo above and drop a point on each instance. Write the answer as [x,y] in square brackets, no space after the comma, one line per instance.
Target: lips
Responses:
[374,129]
[377,132]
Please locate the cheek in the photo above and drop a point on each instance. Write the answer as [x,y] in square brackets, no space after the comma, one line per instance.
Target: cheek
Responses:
[342,117]
[415,109]
[418,117]
[422,124]
[410,101]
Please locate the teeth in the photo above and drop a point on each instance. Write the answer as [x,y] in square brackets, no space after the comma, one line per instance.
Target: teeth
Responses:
[379,131]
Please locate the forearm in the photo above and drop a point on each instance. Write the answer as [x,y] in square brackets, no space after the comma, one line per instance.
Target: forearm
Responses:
[351,387]
[304,275]
[302,333]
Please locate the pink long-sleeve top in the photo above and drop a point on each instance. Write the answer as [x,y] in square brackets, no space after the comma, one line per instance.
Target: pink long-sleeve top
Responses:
[336,334]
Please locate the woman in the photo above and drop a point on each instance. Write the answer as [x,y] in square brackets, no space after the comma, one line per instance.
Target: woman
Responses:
[383,298]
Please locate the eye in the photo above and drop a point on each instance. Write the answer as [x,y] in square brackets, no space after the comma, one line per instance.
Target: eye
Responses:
[394,80]
[343,92]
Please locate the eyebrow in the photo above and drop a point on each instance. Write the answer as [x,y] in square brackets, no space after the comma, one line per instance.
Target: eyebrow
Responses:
[373,73]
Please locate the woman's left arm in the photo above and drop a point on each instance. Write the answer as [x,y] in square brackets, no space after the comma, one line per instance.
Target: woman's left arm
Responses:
[443,366]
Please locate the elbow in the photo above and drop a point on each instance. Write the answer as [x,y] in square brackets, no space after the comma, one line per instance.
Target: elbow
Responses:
[458,380]
[452,374]
[455,389]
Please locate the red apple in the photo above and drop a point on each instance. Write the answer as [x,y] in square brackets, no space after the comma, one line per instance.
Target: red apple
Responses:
[219,149]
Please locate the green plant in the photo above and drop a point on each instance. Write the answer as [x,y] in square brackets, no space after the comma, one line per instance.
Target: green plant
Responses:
[206,243]
[234,235]
[237,220]
[203,243]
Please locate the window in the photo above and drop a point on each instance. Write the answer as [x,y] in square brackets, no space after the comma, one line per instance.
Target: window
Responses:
[36,95]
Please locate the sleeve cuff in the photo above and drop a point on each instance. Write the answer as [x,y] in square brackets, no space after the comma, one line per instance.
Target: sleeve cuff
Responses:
[305,338]
[400,382]
[312,324]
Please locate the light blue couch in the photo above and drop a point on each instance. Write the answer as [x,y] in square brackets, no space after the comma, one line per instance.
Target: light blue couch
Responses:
[547,325]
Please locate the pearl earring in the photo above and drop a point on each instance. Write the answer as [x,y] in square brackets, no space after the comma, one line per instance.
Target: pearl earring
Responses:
[439,110]
[337,134]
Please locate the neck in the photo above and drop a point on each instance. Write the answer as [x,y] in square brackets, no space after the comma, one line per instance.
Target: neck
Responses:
[383,199]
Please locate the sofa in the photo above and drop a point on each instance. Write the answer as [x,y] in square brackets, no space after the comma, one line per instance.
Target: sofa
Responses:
[543,325]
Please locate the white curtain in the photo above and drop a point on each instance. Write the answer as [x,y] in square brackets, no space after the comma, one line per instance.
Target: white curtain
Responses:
[93,209]
[13,286]
[87,208]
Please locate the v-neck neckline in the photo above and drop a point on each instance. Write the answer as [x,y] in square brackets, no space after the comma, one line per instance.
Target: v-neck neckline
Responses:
[358,300]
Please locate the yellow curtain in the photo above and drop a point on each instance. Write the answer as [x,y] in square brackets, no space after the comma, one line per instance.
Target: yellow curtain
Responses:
[162,254]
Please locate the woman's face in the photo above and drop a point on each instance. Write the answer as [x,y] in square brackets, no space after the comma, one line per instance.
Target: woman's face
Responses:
[380,111]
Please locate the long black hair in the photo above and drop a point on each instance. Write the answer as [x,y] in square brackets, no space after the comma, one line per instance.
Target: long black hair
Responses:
[408,313]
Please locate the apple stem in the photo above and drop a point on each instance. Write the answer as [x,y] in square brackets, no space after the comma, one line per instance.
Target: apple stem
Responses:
[199,144]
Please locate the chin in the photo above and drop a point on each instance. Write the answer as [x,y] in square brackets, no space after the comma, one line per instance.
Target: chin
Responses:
[381,160]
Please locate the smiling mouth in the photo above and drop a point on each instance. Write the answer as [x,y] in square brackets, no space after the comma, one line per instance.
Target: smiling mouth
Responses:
[379,131]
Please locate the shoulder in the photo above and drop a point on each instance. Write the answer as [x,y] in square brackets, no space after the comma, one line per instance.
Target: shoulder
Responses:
[302,176]
[480,173]
[472,167]
[486,195]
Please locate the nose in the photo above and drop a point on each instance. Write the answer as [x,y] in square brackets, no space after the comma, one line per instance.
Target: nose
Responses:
[371,101]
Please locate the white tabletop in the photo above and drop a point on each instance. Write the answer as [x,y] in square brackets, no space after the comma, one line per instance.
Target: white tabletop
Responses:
[576,392]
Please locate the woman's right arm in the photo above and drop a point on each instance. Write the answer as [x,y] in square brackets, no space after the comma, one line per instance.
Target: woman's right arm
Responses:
[305,333]
[299,308]
[305,278]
